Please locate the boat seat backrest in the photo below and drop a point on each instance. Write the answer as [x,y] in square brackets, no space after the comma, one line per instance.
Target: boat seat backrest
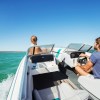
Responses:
[37,95]
[42,58]
[68,93]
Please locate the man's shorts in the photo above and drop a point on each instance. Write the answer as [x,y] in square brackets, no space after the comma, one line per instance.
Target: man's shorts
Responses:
[90,76]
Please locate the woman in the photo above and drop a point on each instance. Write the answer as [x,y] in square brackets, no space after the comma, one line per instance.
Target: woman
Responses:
[35,49]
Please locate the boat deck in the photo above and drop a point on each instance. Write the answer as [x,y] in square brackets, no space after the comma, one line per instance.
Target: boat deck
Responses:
[46,80]
[73,78]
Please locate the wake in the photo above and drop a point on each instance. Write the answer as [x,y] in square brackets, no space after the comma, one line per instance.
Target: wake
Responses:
[5,86]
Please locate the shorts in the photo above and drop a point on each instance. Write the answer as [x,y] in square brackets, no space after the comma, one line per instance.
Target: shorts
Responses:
[90,76]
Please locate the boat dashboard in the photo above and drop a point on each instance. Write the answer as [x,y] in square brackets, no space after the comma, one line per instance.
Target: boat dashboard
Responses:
[81,60]
[76,54]
[72,52]
[73,58]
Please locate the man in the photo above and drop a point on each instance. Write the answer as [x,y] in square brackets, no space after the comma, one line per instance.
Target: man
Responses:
[93,63]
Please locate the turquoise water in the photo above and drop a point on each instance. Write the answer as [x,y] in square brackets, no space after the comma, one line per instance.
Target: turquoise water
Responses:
[9,62]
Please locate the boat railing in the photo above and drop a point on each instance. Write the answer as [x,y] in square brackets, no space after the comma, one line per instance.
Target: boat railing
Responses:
[16,91]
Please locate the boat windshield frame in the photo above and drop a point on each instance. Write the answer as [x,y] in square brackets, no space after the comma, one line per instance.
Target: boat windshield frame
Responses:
[48,47]
[79,47]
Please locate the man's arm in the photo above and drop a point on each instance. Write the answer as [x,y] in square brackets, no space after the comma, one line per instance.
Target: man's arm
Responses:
[84,70]
[84,55]
[88,66]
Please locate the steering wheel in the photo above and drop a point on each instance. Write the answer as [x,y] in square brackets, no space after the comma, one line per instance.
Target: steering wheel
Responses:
[82,60]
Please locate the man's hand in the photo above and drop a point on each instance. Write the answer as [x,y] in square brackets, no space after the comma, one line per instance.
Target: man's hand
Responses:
[82,55]
[78,64]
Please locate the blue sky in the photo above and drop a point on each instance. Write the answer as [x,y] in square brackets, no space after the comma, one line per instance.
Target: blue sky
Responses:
[52,21]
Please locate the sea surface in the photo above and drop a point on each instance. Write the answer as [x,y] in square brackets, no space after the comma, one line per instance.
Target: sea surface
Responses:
[9,62]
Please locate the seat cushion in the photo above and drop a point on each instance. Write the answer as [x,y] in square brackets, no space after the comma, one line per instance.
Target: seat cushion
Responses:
[61,92]
[68,93]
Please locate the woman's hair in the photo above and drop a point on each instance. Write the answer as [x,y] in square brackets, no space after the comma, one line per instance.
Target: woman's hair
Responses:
[98,41]
[33,39]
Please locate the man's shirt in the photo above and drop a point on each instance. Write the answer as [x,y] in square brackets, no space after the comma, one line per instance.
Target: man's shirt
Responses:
[95,59]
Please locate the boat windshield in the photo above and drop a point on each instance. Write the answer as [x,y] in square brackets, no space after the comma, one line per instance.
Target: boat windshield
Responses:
[79,47]
[73,47]
[45,48]
[48,48]
[87,48]
[91,50]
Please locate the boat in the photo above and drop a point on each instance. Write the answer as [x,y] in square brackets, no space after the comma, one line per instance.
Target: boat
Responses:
[70,54]
[45,77]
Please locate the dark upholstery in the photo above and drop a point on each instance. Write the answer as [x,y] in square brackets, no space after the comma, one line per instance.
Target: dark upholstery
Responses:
[42,58]
[47,80]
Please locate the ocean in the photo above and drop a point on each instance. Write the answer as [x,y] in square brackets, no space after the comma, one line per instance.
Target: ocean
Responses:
[9,62]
